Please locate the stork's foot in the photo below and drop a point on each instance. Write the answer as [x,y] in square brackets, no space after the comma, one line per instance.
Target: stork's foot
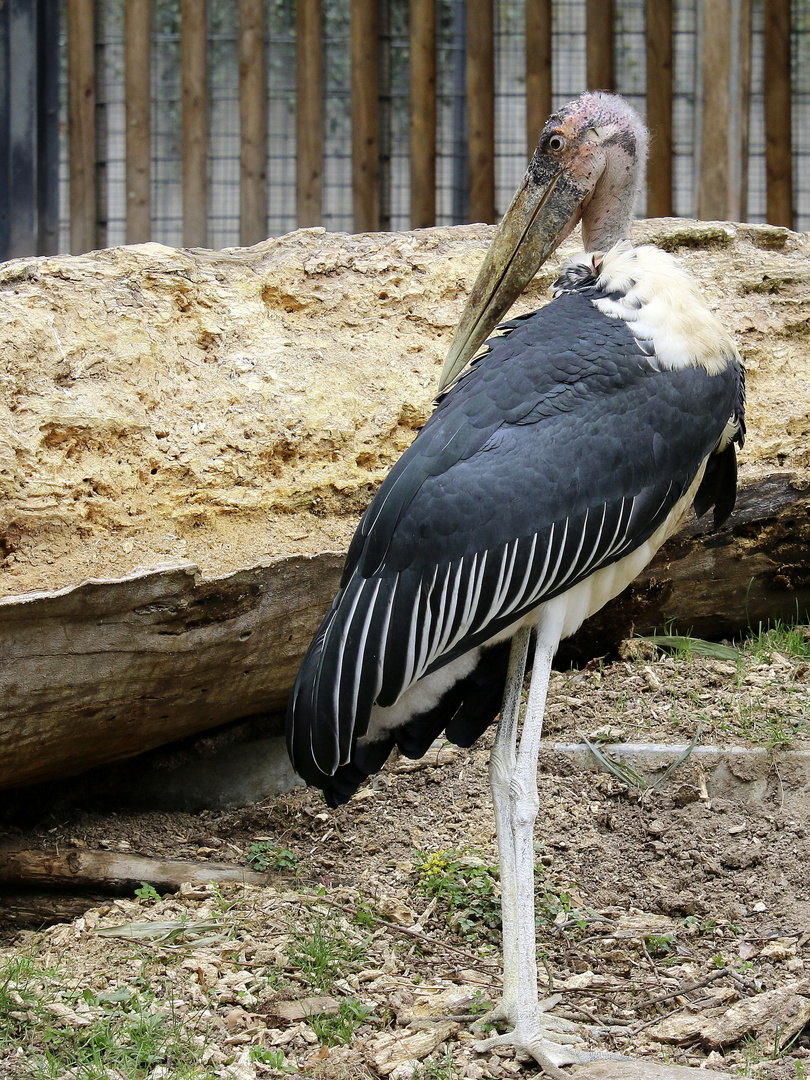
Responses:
[556,1028]
[550,1040]
[549,1054]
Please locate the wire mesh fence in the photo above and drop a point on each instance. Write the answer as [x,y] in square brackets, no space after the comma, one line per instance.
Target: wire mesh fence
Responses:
[452,181]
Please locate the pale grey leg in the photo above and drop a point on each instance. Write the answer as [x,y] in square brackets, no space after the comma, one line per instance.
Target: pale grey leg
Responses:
[536,1034]
[501,767]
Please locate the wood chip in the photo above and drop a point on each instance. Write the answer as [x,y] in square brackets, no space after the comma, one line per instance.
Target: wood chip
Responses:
[388,1051]
[775,1015]
[300,1009]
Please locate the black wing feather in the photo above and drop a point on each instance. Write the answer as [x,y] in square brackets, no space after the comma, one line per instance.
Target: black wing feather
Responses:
[562,450]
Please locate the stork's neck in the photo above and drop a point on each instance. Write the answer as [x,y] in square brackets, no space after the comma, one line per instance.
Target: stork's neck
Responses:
[603,233]
[607,216]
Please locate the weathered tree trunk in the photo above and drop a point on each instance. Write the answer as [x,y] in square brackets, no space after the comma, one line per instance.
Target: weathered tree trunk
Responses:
[187,440]
[80,869]
[42,909]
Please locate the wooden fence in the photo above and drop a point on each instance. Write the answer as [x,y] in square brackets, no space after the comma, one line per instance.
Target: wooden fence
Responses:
[723,84]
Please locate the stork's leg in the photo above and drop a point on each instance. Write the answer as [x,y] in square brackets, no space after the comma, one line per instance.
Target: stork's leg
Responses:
[535,1033]
[501,768]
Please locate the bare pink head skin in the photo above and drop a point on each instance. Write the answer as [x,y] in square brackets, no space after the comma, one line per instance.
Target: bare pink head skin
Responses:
[603,156]
[588,166]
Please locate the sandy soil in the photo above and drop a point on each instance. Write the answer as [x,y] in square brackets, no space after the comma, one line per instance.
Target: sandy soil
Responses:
[640,896]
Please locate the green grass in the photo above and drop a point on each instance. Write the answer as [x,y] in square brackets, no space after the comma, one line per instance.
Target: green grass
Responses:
[443,1068]
[89,1035]
[771,712]
[323,952]
[791,640]
[687,647]
[337,1029]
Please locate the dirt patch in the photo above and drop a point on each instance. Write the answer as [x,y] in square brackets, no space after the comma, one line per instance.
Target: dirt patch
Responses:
[640,896]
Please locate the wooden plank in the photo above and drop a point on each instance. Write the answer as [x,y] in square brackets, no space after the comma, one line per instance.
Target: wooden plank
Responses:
[102,118]
[538,69]
[253,124]
[659,107]
[195,122]
[48,103]
[739,109]
[481,108]
[6,179]
[714,149]
[365,116]
[19,120]
[725,79]
[137,66]
[778,127]
[599,44]
[423,113]
[309,113]
[82,125]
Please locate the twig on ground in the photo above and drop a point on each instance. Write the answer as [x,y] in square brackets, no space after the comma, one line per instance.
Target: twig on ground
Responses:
[713,977]
[456,1018]
[655,1020]
[651,963]
[350,909]
[549,976]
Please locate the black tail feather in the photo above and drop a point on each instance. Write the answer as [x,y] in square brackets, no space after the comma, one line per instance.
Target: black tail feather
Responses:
[718,488]
[463,713]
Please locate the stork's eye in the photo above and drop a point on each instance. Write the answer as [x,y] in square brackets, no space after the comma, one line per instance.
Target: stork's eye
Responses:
[556,143]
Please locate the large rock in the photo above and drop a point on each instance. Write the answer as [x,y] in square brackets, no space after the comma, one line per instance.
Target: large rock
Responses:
[200,431]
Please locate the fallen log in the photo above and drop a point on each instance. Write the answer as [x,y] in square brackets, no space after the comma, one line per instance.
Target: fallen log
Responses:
[187,440]
[43,909]
[111,872]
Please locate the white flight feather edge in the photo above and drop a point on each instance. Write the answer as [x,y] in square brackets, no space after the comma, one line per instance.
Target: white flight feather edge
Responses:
[361,649]
[448,629]
[424,631]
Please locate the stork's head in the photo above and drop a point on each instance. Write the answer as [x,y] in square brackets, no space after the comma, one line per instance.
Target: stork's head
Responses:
[588,166]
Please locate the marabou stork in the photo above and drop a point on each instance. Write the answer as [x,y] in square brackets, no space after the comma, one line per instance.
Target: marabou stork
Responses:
[545,480]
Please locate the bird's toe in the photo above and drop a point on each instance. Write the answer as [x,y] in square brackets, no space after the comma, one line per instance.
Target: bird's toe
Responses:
[546,1045]
[501,1013]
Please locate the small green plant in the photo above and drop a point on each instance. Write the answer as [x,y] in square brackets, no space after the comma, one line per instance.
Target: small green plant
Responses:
[364,916]
[553,907]
[264,856]
[323,952]
[659,945]
[443,1069]
[467,888]
[275,1059]
[147,892]
[337,1029]
[480,1005]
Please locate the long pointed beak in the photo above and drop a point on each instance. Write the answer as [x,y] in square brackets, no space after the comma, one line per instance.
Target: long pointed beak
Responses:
[539,219]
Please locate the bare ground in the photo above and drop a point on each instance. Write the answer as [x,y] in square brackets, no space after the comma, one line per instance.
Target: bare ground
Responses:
[640,896]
